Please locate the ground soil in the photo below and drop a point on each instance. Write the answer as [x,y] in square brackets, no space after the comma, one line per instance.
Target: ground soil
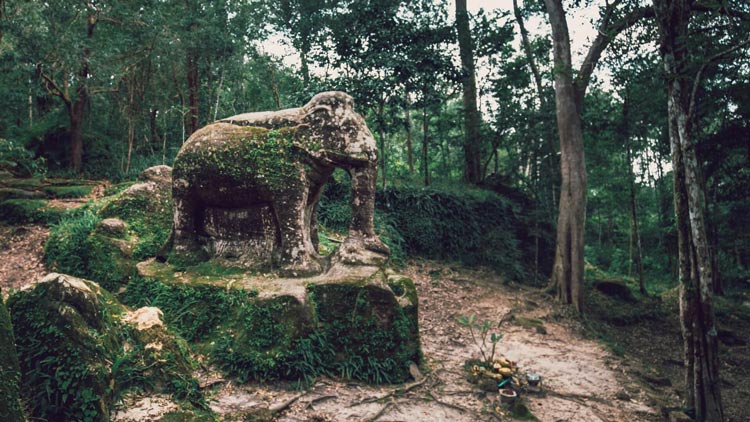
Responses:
[582,379]
[21,255]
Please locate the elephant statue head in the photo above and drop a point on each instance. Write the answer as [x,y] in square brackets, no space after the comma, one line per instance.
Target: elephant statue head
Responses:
[344,137]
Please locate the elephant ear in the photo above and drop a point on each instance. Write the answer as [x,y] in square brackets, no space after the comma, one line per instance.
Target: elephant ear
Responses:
[318,112]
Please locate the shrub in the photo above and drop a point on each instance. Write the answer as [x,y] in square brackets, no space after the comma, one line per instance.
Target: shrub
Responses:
[68,249]
[29,211]
[254,339]
[474,227]
[20,161]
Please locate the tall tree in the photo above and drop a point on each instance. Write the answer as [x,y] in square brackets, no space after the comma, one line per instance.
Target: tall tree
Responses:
[472,118]
[567,272]
[570,89]
[695,262]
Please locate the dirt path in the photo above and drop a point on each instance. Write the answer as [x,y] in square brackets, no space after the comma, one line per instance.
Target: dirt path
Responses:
[582,381]
[21,255]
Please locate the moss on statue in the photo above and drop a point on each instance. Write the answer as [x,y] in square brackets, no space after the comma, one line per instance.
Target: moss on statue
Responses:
[273,151]
[10,373]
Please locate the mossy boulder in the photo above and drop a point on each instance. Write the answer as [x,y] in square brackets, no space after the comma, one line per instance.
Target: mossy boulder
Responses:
[82,349]
[356,322]
[146,208]
[10,372]
[103,241]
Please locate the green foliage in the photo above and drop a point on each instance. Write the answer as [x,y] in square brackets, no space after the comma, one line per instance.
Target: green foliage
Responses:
[482,337]
[616,308]
[61,379]
[194,312]
[77,357]
[374,353]
[73,248]
[473,226]
[20,161]
[10,373]
[74,191]
[255,339]
[29,211]
[148,217]
[117,188]
[68,249]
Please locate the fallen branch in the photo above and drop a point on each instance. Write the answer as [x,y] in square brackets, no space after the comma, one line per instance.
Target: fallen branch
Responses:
[318,400]
[437,400]
[381,411]
[576,397]
[284,405]
[392,393]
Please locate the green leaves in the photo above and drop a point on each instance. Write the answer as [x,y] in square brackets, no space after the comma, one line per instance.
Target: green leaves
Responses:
[480,335]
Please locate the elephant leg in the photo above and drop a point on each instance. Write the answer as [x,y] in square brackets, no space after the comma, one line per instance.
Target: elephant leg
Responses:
[185,246]
[298,257]
[314,227]
[363,208]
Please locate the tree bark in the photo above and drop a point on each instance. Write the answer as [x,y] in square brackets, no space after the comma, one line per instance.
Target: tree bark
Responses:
[407,124]
[192,87]
[695,264]
[636,235]
[550,156]
[381,141]
[472,118]
[567,271]
[425,139]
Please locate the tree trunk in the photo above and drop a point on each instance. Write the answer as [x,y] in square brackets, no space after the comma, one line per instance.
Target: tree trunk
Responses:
[567,271]
[472,119]
[381,132]
[407,123]
[192,87]
[274,86]
[636,234]
[425,139]
[155,138]
[75,115]
[218,92]
[695,264]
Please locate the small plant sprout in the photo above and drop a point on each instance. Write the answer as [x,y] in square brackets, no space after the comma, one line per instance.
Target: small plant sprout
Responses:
[481,336]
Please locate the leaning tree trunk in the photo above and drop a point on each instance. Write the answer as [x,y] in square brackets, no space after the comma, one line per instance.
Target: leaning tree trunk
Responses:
[567,271]
[695,264]
[472,119]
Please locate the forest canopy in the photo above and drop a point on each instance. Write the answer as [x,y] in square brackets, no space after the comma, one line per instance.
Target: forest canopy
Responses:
[627,153]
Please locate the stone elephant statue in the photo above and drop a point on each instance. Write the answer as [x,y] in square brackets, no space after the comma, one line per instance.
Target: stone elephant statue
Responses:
[246,187]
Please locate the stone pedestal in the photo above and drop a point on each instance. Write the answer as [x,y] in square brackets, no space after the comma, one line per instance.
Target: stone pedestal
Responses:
[352,321]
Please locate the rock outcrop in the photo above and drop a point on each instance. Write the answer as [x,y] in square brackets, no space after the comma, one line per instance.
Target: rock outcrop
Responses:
[81,349]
